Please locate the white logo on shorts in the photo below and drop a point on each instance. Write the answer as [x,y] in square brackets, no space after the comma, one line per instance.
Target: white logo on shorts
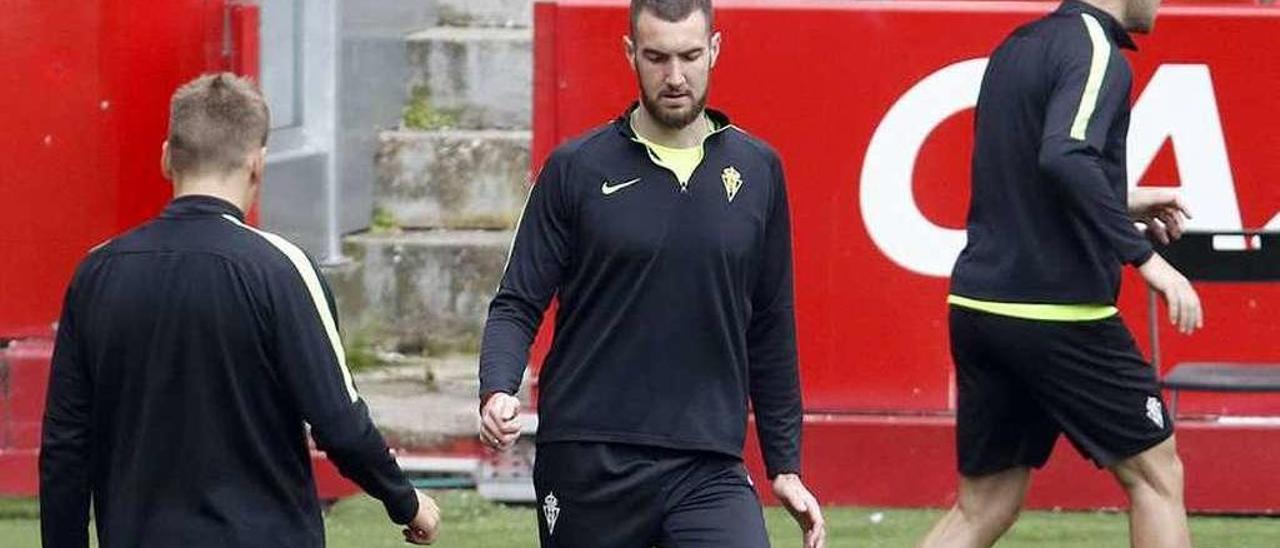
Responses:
[1155,411]
[551,509]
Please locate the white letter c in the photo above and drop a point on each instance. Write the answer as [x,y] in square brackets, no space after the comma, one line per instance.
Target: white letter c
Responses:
[894,221]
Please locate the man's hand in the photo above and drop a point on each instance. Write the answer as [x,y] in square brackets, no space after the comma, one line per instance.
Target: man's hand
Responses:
[803,507]
[426,525]
[1162,210]
[1181,298]
[500,421]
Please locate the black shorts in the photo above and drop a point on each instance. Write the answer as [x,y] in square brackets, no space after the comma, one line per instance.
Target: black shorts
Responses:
[1022,382]
[607,495]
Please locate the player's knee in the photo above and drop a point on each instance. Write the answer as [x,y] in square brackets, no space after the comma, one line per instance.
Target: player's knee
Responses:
[995,516]
[997,510]
[1157,470]
[1002,517]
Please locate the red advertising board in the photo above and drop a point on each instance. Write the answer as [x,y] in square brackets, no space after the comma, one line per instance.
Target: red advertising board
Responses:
[869,104]
[85,91]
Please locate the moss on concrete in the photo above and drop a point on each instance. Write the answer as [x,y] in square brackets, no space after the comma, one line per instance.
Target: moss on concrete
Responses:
[420,114]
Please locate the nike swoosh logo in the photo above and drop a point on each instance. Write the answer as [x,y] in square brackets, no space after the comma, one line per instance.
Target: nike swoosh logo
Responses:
[607,189]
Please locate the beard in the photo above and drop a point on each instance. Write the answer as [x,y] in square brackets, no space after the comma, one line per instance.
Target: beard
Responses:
[674,119]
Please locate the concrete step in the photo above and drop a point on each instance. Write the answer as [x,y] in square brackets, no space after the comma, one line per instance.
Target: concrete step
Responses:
[411,411]
[422,402]
[457,179]
[485,13]
[473,77]
[418,292]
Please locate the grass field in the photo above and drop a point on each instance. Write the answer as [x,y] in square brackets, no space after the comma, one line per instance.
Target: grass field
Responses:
[471,522]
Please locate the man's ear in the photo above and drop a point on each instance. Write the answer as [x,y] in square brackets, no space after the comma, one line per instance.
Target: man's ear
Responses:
[715,48]
[165,168]
[258,165]
[629,49]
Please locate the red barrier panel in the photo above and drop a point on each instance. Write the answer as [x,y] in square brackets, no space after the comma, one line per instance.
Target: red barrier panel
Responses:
[86,91]
[27,377]
[870,106]
[245,55]
[909,462]
[24,375]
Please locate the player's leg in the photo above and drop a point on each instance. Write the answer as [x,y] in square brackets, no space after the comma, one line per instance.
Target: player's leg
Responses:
[712,504]
[1001,433]
[985,508]
[596,495]
[1107,400]
[1153,481]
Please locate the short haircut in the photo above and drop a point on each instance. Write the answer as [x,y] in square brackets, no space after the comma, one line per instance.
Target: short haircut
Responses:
[672,11]
[215,121]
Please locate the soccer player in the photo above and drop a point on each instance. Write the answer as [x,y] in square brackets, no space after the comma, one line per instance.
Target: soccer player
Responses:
[665,235]
[190,353]
[1038,345]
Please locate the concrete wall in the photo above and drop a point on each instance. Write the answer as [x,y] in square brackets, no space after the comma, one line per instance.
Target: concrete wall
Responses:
[335,72]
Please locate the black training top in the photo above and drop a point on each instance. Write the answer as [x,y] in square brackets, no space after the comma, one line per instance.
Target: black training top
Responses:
[675,306]
[1048,220]
[189,354]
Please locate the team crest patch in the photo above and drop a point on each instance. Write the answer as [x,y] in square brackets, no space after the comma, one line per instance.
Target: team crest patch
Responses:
[1155,412]
[732,181]
[551,510]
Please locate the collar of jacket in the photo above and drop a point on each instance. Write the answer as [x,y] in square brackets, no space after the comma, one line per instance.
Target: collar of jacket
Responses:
[623,123]
[200,204]
[1113,27]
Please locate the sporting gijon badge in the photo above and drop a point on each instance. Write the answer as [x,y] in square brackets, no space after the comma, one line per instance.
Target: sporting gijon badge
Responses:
[1155,412]
[732,181]
[551,510]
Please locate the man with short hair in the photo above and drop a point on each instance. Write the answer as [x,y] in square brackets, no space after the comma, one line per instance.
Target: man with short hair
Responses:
[1038,344]
[190,353]
[665,237]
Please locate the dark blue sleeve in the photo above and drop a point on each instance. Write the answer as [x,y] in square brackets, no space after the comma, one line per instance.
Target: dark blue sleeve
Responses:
[539,256]
[311,363]
[66,451]
[771,343]
[1088,90]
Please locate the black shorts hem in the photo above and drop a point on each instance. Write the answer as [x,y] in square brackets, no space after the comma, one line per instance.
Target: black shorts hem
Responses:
[985,471]
[1112,458]
[989,469]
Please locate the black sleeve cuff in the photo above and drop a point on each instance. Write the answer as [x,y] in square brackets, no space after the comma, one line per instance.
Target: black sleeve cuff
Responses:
[403,507]
[777,467]
[1143,257]
[773,474]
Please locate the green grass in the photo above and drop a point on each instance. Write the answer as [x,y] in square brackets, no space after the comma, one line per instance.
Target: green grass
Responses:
[467,521]
[471,522]
[19,523]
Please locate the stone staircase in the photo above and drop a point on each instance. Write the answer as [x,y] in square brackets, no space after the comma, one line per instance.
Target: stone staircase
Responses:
[449,185]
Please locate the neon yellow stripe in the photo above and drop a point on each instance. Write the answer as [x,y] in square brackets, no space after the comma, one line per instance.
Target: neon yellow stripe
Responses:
[1038,311]
[1092,85]
[312,281]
